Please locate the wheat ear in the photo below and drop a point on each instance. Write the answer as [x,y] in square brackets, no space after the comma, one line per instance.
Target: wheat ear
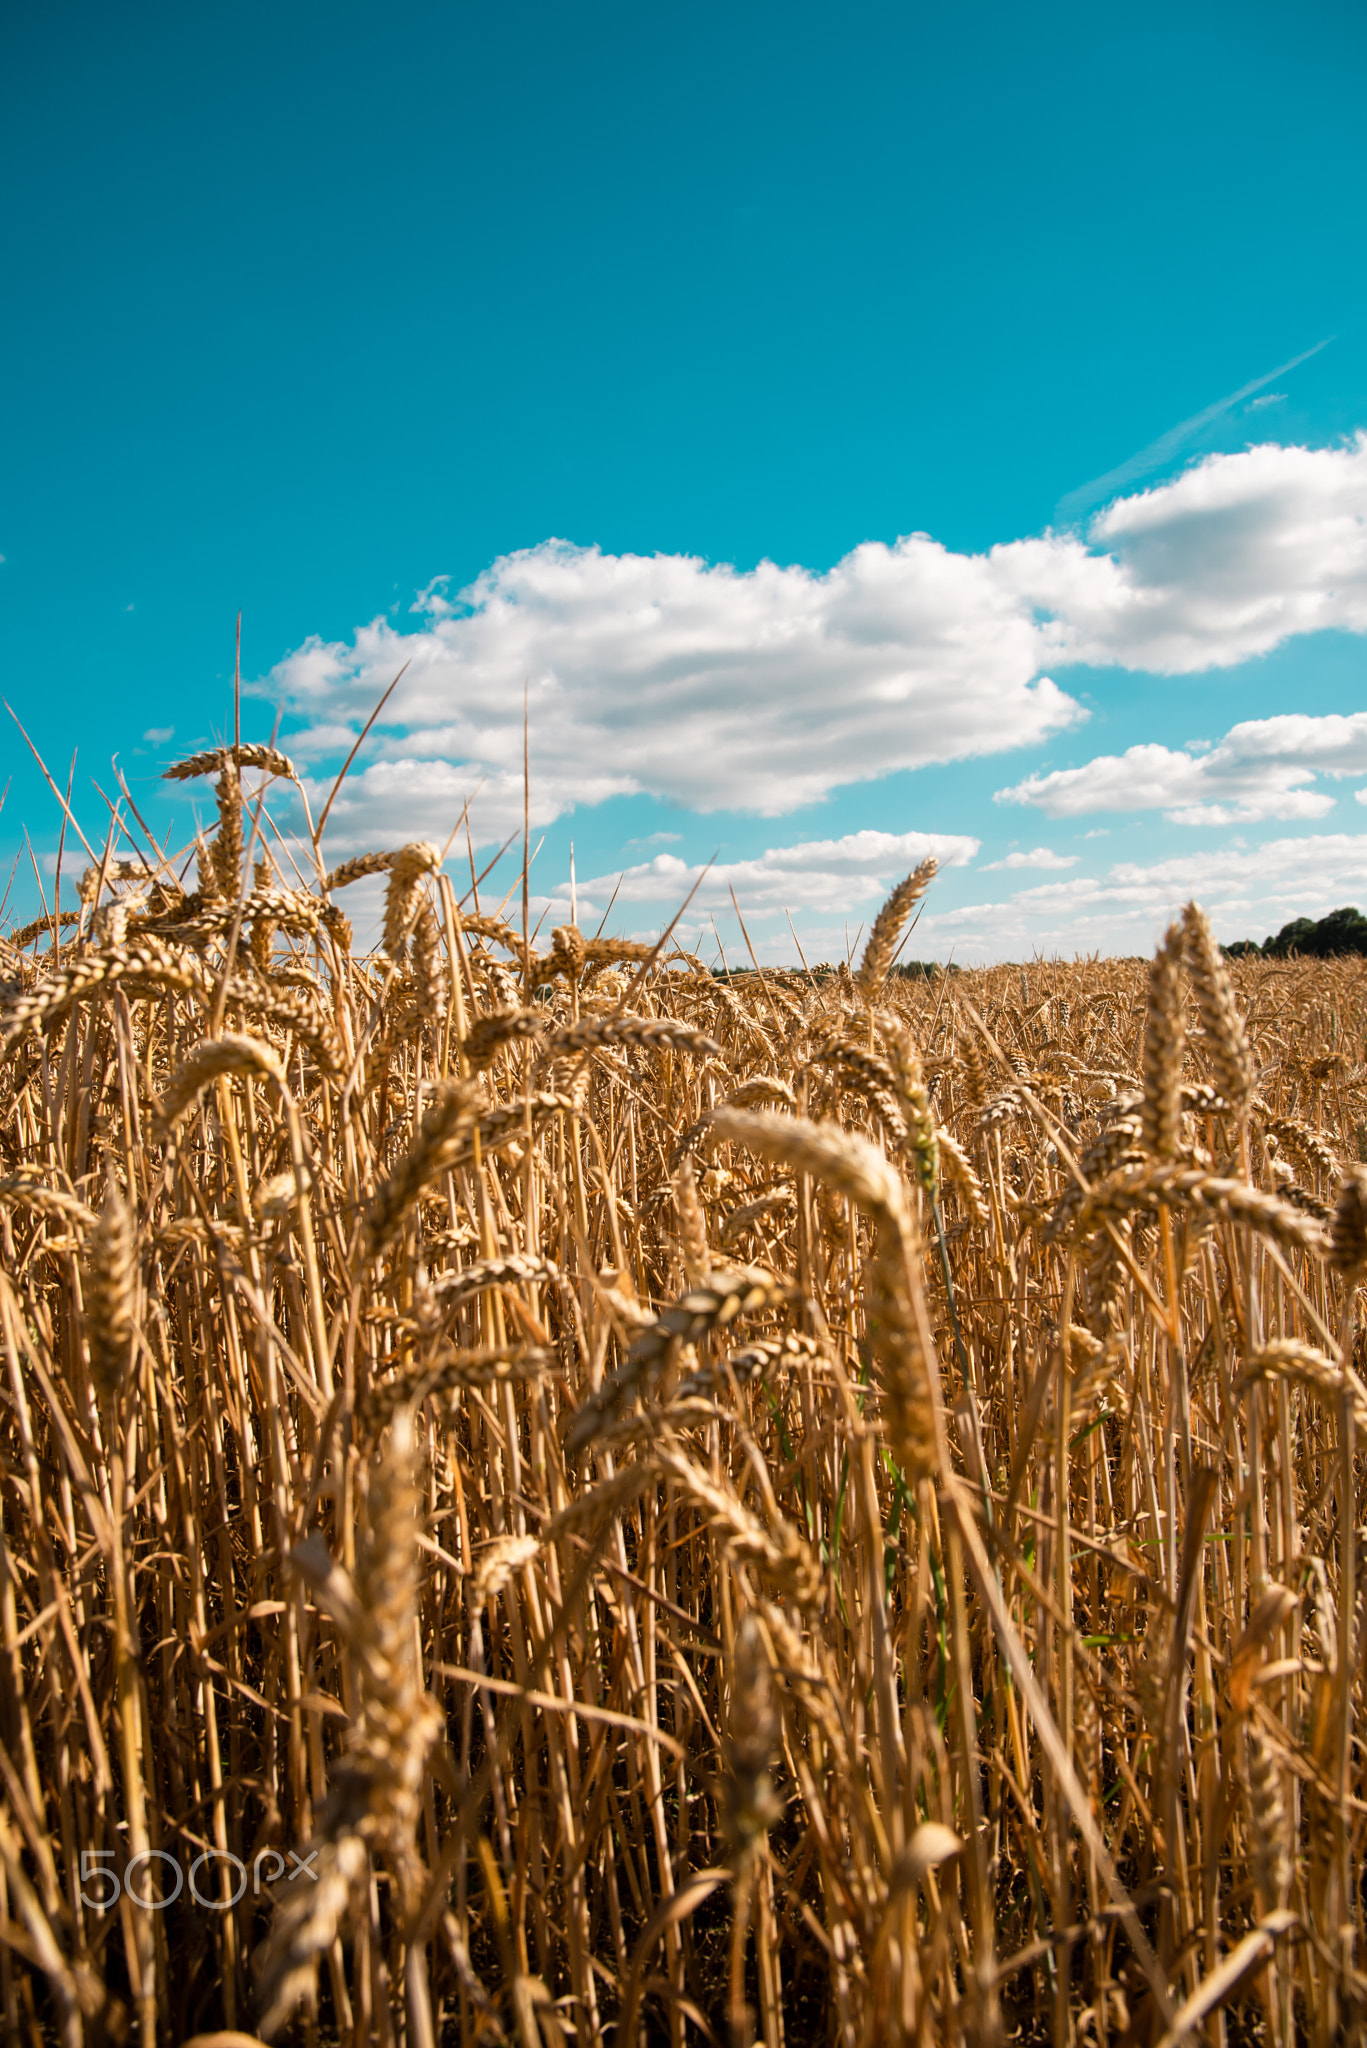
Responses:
[1348,1229]
[110,1297]
[406,870]
[1161,1112]
[692,1231]
[1231,1061]
[438,1145]
[227,847]
[886,935]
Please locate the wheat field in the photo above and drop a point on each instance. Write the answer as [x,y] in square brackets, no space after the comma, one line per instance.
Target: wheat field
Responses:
[552,1496]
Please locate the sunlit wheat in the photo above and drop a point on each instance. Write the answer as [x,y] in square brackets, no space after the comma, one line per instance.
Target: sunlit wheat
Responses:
[637,1506]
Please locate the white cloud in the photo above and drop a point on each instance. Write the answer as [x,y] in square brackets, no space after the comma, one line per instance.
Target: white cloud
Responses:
[1262,768]
[1038,857]
[1248,891]
[158,735]
[713,688]
[322,738]
[830,875]
[419,797]
[765,689]
[1230,559]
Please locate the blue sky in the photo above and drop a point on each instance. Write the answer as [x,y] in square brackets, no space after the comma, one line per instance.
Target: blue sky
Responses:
[323,313]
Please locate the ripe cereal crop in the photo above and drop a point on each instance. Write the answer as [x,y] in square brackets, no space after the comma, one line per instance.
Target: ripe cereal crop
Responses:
[636,1506]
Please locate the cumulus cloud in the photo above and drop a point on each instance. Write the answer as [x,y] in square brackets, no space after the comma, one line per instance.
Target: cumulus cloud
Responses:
[765,689]
[421,797]
[1038,857]
[716,689]
[1248,891]
[829,875]
[1235,556]
[1262,768]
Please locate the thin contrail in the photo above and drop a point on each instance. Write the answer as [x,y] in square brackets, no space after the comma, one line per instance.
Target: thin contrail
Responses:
[1076,502]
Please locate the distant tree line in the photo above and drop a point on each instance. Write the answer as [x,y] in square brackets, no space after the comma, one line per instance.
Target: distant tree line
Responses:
[907,970]
[1310,938]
